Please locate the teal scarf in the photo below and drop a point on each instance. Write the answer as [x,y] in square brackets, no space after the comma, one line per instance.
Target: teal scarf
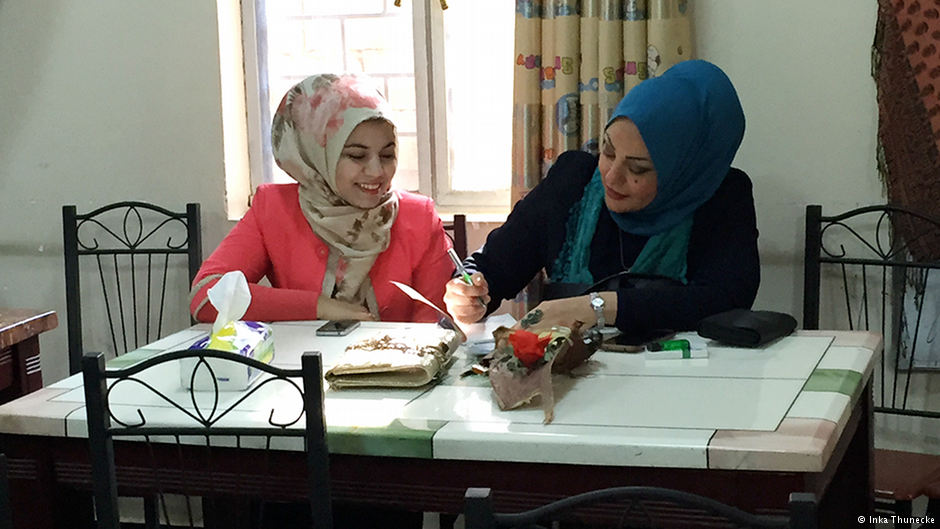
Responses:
[691,121]
[664,253]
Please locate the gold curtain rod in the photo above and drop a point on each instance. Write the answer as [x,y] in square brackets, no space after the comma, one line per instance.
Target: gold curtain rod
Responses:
[443,4]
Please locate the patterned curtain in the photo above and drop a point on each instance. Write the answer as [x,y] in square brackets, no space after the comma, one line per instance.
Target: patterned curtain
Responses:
[906,68]
[575,59]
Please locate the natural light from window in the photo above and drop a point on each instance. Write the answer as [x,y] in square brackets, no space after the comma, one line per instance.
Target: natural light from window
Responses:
[474,74]
[479,62]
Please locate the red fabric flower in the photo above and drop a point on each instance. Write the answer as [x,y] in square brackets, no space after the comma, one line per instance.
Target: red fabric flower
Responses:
[528,347]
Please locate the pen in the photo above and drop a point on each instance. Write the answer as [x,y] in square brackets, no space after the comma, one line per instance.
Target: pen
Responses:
[462,271]
[460,268]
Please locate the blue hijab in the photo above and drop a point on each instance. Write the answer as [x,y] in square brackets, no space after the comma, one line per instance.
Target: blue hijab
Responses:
[692,123]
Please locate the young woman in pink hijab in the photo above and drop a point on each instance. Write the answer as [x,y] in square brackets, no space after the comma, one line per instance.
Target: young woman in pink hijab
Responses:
[330,244]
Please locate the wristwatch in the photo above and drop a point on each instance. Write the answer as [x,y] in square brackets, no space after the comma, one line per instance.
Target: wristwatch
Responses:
[597,302]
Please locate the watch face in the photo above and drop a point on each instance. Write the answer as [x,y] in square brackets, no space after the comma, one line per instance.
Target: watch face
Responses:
[597,302]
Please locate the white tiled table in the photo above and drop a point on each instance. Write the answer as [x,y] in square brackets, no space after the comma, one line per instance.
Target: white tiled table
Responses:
[746,426]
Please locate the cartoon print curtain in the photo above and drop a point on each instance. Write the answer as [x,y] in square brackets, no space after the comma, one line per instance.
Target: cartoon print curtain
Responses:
[574,61]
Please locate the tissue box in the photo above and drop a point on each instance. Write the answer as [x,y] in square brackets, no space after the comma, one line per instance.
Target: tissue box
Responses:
[250,339]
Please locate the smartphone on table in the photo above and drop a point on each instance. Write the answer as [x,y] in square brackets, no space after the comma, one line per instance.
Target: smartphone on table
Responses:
[337,327]
[622,344]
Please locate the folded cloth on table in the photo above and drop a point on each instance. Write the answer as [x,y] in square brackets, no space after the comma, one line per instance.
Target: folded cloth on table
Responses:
[402,358]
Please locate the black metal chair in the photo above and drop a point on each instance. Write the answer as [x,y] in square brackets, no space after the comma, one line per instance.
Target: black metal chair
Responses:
[636,507]
[870,269]
[205,450]
[457,231]
[134,253]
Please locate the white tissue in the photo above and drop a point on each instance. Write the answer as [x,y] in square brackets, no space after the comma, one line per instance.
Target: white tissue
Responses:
[231,297]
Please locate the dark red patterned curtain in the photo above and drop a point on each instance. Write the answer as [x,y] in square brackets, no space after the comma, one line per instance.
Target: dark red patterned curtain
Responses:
[906,68]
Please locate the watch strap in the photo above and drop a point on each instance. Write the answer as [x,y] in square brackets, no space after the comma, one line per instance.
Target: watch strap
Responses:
[597,303]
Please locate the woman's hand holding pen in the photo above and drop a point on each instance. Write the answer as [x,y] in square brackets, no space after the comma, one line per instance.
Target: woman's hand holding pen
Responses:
[464,301]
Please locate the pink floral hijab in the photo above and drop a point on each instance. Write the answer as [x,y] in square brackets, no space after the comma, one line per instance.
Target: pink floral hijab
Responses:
[310,128]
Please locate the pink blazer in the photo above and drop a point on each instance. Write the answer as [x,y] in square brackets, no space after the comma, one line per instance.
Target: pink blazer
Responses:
[274,240]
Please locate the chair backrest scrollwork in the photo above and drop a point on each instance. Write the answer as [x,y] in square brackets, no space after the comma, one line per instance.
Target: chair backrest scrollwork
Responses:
[201,440]
[862,271]
[128,269]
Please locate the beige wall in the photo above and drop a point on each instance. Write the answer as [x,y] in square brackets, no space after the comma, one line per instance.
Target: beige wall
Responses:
[106,100]
[802,71]
[100,101]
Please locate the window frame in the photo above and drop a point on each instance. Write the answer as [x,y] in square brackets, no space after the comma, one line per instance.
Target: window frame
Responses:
[431,94]
[256,91]
[434,178]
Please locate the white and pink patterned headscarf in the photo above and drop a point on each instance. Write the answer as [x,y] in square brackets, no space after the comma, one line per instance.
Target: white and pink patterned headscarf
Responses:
[310,128]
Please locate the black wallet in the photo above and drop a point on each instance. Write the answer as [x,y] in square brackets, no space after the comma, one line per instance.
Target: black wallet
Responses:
[747,328]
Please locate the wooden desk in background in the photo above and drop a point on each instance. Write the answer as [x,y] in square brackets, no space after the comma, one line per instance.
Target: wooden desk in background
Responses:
[20,372]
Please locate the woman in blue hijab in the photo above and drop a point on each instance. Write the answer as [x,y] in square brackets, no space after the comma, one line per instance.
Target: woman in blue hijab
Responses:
[662,201]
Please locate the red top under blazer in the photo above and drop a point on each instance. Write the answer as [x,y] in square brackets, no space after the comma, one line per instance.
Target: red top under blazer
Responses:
[274,239]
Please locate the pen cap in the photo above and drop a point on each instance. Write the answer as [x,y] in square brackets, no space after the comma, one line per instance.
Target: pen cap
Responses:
[455,258]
